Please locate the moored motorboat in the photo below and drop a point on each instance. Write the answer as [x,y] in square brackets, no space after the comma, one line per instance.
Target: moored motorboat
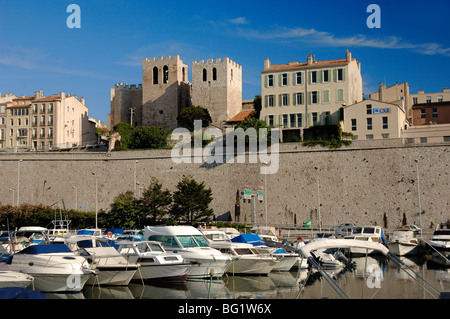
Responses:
[111,267]
[404,242]
[155,263]
[440,241]
[9,278]
[366,233]
[191,245]
[54,267]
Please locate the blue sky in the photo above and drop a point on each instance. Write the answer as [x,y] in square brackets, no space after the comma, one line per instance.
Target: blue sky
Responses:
[38,50]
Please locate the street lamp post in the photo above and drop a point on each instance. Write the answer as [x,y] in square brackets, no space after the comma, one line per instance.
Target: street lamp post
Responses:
[135,163]
[76,197]
[265,193]
[418,196]
[18,181]
[318,198]
[96,198]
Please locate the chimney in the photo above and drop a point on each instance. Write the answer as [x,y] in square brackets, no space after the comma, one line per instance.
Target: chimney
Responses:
[348,56]
[267,63]
[38,95]
[62,95]
[82,101]
[310,59]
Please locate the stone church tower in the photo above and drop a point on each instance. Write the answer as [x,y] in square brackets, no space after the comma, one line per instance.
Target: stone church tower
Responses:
[217,86]
[165,91]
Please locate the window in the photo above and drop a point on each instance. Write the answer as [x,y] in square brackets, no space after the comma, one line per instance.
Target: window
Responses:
[369,123]
[428,99]
[205,75]
[155,75]
[12,122]
[314,97]
[42,145]
[270,98]
[284,79]
[34,133]
[270,80]
[446,138]
[353,124]
[271,122]
[50,108]
[50,119]
[299,98]
[385,122]
[284,100]
[2,134]
[314,118]
[313,76]
[326,96]
[11,132]
[326,76]
[26,121]
[298,78]
[43,120]
[369,109]
[434,114]
[340,74]
[285,120]
[369,137]
[327,118]
[414,100]
[214,74]
[43,108]
[42,132]
[50,132]
[35,108]
[35,120]
[50,145]
[423,114]
[165,74]
[423,140]
[385,135]
[440,98]
[19,122]
[299,119]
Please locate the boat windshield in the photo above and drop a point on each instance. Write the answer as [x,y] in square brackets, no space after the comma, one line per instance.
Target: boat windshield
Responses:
[147,247]
[369,230]
[243,251]
[192,241]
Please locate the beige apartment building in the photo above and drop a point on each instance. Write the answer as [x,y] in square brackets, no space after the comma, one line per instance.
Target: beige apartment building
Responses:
[299,95]
[422,97]
[47,122]
[371,119]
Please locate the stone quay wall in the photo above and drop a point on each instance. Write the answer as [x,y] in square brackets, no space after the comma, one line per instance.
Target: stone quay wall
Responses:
[364,185]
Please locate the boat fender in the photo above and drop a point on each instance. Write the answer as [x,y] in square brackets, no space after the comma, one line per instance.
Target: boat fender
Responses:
[109,234]
[300,238]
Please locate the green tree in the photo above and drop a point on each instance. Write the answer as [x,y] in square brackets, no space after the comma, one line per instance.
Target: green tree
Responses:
[257,105]
[189,114]
[125,130]
[125,212]
[253,122]
[148,137]
[191,201]
[155,201]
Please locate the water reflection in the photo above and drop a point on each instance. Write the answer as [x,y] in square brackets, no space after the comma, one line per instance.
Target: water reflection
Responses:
[373,277]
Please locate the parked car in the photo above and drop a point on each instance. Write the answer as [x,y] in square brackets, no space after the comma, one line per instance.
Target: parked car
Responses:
[344,229]
[414,228]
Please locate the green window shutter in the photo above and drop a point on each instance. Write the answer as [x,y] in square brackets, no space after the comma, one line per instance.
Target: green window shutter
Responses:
[319,76]
[280,120]
[279,80]
[302,98]
[266,80]
[294,99]
[335,75]
[294,78]
[287,80]
[309,98]
[267,119]
[280,96]
[288,99]
[266,100]
[309,77]
[318,97]
[343,74]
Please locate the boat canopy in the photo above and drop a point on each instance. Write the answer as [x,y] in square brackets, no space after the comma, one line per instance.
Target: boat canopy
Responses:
[341,243]
[249,238]
[45,249]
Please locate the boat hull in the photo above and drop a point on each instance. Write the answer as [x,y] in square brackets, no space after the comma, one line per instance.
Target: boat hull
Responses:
[405,249]
[249,265]
[170,272]
[15,279]
[113,276]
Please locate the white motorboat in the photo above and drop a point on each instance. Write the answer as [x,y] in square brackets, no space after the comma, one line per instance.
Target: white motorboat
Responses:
[9,278]
[54,267]
[246,259]
[440,241]
[372,234]
[191,245]
[404,242]
[111,267]
[265,232]
[155,263]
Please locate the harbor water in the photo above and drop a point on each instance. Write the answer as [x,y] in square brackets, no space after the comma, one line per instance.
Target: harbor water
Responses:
[372,278]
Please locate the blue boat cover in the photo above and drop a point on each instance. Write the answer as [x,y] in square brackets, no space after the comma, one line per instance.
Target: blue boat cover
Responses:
[20,293]
[45,249]
[249,238]
[85,232]
[117,231]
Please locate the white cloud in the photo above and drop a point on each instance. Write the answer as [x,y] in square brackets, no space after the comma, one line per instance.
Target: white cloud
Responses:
[324,38]
[239,20]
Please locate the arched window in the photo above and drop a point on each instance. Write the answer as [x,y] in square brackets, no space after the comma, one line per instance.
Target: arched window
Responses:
[165,74]
[214,74]
[204,75]
[184,75]
[155,75]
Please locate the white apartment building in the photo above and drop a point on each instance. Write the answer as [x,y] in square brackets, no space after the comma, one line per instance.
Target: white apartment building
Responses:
[44,123]
[299,95]
[422,97]
[372,119]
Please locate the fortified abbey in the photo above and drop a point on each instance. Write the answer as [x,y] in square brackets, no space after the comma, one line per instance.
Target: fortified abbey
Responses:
[166,90]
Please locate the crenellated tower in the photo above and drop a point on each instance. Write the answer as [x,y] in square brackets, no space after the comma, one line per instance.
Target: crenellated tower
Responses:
[126,105]
[217,86]
[165,91]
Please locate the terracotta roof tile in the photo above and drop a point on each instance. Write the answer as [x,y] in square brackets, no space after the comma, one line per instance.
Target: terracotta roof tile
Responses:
[294,66]
[241,116]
